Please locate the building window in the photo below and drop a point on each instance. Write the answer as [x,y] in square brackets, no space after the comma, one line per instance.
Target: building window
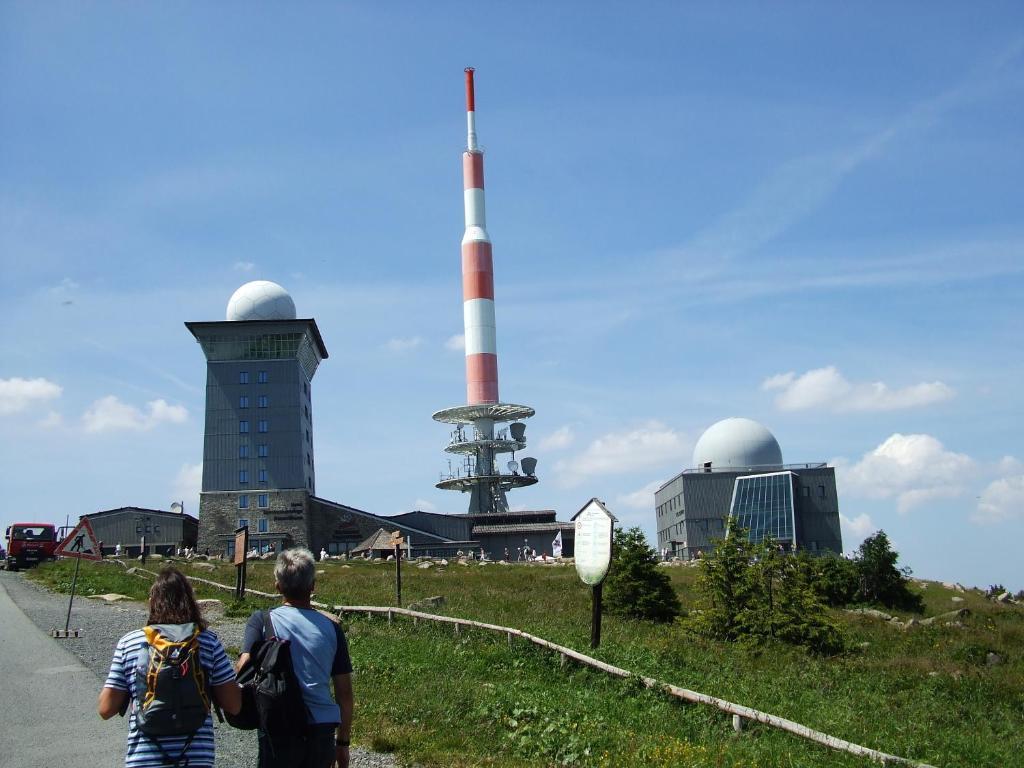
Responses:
[243,476]
[243,522]
[305,388]
[821,491]
[263,475]
[243,427]
[308,441]
[243,502]
[306,407]
[243,377]
[243,401]
[261,377]
[261,401]
[243,451]
[264,425]
[262,450]
[264,501]
[262,524]
[807,490]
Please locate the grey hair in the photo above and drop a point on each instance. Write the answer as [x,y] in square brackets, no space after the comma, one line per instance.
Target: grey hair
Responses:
[295,572]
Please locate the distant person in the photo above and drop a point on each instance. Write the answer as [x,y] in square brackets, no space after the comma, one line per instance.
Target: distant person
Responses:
[319,653]
[323,554]
[156,734]
[506,554]
[117,549]
[100,547]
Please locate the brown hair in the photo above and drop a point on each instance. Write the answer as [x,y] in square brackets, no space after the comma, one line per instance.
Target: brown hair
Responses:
[171,600]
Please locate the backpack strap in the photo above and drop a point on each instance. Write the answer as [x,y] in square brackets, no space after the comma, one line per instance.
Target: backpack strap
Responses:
[268,626]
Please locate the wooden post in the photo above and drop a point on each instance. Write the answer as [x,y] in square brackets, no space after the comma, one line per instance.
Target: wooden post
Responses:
[241,552]
[737,723]
[398,574]
[595,615]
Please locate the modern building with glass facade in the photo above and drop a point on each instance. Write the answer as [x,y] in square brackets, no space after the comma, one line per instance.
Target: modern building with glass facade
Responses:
[739,475]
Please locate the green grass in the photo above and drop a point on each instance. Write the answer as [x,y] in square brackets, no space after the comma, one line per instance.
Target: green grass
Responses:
[441,699]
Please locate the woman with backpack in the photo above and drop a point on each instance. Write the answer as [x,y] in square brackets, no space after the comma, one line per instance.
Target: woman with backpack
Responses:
[171,673]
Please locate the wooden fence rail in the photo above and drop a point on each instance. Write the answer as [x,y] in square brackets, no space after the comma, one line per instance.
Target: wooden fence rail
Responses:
[738,711]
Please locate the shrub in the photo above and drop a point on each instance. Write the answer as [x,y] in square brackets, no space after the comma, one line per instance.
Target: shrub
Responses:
[635,588]
[880,581]
[833,578]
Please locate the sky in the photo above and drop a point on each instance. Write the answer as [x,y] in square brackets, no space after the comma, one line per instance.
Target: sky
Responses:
[805,214]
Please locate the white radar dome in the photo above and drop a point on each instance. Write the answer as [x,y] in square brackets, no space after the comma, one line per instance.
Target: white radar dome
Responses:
[737,443]
[261,300]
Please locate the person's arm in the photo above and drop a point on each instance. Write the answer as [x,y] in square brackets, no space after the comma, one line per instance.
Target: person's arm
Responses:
[111,702]
[343,695]
[228,697]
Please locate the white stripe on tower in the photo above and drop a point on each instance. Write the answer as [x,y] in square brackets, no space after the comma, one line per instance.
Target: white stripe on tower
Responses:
[477,271]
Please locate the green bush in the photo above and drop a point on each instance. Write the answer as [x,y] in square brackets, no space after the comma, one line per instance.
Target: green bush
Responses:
[880,581]
[635,588]
[755,594]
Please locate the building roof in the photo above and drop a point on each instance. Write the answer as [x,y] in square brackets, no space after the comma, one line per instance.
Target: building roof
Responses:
[480,530]
[142,510]
[380,539]
[233,326]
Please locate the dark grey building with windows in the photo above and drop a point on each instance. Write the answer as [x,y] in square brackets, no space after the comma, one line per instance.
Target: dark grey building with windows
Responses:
[164,531]
[738,474]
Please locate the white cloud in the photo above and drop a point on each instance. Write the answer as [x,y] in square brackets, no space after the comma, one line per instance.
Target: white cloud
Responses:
[51,421]
[560,438]
[110,414]
[424,506]
[1002,500]
[456,343]
[17,394]
[642,498]
[827,388]
[859,528]
[403,345]
[650,445]
[187,484]
[1010,465]
[244,266]
[913,469]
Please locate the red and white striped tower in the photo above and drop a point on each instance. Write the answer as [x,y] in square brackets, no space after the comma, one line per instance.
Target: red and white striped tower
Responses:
[480,444]
[477,270]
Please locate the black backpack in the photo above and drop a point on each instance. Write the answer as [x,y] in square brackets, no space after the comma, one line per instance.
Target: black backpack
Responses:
[271,694]
[173,691]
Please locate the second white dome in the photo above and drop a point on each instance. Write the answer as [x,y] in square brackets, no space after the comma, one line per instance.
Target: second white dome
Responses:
[261,300]
[736,443]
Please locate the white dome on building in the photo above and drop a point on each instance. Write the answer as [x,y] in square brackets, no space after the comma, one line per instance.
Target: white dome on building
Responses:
[261,300]
[737,443]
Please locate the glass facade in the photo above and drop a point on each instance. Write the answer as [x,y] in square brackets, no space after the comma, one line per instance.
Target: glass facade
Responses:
[763,504]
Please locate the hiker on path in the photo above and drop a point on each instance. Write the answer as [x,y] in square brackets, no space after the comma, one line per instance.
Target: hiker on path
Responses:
[157,735]
[319,655]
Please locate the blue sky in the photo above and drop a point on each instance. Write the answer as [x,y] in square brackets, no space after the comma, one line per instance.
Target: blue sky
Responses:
[805,214]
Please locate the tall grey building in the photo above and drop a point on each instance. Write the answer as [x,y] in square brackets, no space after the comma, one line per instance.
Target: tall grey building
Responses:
[738,473]
[258,459]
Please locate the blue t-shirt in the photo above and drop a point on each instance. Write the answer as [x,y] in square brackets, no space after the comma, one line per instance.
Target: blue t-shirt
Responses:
[318,649]
[143,752]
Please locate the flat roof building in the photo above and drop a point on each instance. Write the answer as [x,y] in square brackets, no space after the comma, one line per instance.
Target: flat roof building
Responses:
[738,474]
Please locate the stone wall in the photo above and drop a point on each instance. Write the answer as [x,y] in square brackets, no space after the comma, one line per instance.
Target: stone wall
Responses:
[288,513]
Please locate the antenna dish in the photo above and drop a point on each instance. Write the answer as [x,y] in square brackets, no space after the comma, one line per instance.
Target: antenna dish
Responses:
[518,430]
[177,508]
[513,466]
[529,466]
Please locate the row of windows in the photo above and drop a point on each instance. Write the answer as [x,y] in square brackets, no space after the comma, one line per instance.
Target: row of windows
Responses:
[676,502]
[262,525]
[262,425]
[806,491]
[243,476]
[261,377]
[262,401]
[262,501]
[262,450]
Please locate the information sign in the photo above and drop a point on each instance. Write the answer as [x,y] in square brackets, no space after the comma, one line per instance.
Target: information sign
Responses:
[241,544]
[593,542]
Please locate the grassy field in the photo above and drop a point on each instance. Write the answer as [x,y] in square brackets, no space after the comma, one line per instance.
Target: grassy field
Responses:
[432,697]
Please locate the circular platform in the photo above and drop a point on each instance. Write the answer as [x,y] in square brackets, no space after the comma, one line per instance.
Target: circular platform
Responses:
[467,414]
[506,482]
[470,447]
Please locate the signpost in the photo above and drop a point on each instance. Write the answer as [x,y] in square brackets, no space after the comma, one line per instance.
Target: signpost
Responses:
[593,554]
[80,544]
[396,542]
[241,551]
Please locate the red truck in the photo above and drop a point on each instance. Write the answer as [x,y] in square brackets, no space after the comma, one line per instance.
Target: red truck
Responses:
[29,544]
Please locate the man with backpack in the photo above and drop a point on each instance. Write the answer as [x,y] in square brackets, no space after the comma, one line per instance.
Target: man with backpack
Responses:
[171,673]
[301,652]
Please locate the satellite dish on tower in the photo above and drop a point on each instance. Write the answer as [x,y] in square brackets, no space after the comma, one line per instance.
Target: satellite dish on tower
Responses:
[518,430]
[177,508]
[529,466]
[513,466]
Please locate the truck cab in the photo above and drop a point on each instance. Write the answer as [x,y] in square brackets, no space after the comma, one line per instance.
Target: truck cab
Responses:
[29,544]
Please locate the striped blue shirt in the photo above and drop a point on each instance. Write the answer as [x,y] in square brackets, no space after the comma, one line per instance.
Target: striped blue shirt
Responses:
[143,752]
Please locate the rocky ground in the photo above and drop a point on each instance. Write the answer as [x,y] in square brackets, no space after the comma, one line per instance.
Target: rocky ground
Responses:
[103,623]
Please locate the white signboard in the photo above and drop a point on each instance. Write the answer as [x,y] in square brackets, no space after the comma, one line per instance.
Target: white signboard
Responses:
[593,542]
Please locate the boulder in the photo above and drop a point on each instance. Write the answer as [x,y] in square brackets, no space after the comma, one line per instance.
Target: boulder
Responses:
[1006,597]
[951,615]
[204,566]
[425,564]
[210,605]
[993,659]
[957,599]
[960,587]
[347,566]
[109,597]
[462,561]
[320,572]
[443,561]
[378,560]
[871,612]
[390,558]
[268,556]
[948,585]
[908,624]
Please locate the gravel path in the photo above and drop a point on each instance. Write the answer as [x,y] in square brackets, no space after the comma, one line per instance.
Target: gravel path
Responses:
[103,623]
